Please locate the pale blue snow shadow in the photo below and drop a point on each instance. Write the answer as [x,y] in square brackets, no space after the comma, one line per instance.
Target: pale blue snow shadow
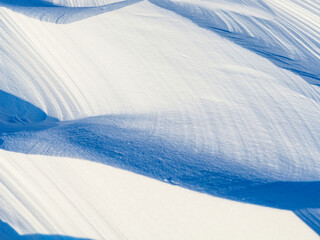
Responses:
[106,139]
[8,233]
[311,216]
[19,115]
[27,3]
[49,12]
[307,67]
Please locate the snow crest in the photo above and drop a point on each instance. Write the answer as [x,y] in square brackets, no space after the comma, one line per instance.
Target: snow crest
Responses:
[219,97]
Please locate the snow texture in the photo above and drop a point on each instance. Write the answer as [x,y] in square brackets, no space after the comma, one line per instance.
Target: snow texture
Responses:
[218,97]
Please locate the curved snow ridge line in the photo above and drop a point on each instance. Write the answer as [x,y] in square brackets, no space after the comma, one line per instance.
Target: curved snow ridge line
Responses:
[57,3]
[78,198]
[19,115]
[109,140]
[42,63]
[214,120]
[20,56]
[82,3]
[311,216]
[248,8]
[227,115]
[289,42]
[230,117]
[25,201]
[66,14]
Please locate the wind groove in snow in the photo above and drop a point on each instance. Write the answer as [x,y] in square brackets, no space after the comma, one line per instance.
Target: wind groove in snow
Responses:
[230,115]
[63,14]
[286,33]
[146,90]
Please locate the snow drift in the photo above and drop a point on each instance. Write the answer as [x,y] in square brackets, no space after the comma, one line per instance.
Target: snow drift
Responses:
[217,97]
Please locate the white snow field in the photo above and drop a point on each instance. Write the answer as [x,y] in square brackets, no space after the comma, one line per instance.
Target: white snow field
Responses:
[72,197]
[106,104]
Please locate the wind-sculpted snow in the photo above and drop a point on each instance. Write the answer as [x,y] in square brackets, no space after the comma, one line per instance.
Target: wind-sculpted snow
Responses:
[82,3]
[24,3]
[119,141]
[61,14]
[8,233]
[219,104]
[286,32]
[57,197]
[311,216]
[17,115]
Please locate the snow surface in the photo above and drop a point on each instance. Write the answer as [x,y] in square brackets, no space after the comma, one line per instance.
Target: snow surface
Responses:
[219,97]
[72,197]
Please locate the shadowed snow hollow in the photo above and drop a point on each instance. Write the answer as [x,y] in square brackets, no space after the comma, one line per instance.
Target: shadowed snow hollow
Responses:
[214,96]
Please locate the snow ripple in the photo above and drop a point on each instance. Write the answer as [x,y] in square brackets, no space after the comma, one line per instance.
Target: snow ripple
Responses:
[61,14]
[147,91]
[286,33]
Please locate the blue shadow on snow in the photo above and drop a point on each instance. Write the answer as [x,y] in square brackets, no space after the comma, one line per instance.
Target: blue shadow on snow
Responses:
[106,139]
[19,115]
[27,3]
[103,140]
[308,68]
[49,12]
[8,233]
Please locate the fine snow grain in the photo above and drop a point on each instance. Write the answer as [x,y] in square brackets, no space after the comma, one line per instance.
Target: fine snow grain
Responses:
[218,97]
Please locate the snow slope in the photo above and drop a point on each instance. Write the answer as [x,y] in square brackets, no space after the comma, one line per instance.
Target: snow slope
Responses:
[71,197]
[210,96]
[286,32]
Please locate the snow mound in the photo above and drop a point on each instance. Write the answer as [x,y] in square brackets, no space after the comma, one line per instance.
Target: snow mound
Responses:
[285,32]
[210,96]
[17,114]
[51,198]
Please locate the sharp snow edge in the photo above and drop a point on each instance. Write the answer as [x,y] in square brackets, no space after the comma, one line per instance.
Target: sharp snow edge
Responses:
[163,97]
